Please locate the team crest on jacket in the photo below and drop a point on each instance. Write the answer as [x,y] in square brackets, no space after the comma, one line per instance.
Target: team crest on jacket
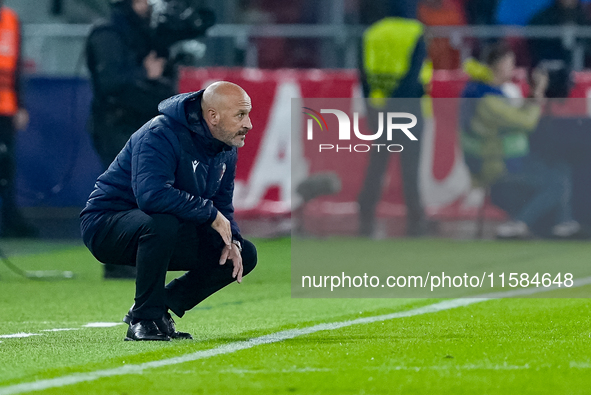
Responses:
[195,164]
[223,171]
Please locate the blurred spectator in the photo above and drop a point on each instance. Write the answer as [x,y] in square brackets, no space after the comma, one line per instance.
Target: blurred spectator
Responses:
[255,13]
[518,12]
[442,13]
[129,79]
[494,136]
[284,52]
[561,12]
[393,55]
[13,117]
[481,12]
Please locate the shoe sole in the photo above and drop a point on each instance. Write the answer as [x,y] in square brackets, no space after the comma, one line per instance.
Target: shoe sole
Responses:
[129,339]
[183,338]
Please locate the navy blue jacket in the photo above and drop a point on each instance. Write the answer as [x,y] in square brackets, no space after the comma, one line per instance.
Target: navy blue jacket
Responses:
[171,165]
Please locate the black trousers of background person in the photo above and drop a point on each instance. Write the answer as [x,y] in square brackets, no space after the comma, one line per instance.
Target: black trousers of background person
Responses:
[13,222]
[371,191]
[7,166]
[159,243]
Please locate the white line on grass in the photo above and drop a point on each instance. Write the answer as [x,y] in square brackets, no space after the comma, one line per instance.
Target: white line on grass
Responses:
[269,371]
[379,369]
[384,369]
[17,335]
[102,324]
[266,339]
[89,325]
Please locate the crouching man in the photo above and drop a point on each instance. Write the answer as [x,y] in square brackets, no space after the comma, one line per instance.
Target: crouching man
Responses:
[165,203]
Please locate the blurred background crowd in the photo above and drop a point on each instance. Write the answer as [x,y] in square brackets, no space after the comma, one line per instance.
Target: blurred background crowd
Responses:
[55,48]
[471,57]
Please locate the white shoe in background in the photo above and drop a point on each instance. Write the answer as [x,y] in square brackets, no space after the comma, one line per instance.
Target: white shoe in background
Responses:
[512,229]
[566,229]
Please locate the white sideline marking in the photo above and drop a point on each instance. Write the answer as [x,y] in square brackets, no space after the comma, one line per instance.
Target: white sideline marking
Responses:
[270,371]
[379,369]
[21,334]
[267,339]
[89,325]
[102,324]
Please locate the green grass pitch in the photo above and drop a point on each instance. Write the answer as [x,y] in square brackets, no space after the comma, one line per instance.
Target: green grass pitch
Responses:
[505,346]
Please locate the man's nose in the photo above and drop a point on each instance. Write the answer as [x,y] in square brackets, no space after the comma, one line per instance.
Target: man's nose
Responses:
[247,124]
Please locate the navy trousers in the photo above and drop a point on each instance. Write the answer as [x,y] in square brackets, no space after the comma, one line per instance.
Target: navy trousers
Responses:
[158,243]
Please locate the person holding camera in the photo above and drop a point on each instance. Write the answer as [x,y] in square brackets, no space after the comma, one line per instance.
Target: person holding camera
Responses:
[129,79]
[495,141]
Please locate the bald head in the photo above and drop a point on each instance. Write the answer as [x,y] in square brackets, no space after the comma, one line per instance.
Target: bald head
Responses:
[222,93]
[225,108]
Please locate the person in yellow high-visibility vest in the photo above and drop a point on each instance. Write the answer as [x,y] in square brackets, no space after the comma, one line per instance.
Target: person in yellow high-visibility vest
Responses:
[394,73]
[13,117]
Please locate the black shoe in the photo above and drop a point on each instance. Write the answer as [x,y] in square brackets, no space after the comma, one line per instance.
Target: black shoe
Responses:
[146,330]
[165,324]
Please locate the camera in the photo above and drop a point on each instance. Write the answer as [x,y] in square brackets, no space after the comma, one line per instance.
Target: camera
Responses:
[178,20]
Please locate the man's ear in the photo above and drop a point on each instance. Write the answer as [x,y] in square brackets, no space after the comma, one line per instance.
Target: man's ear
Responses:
[213,116]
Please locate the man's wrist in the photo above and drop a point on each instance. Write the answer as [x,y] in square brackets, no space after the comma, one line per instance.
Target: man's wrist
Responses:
[237,244]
